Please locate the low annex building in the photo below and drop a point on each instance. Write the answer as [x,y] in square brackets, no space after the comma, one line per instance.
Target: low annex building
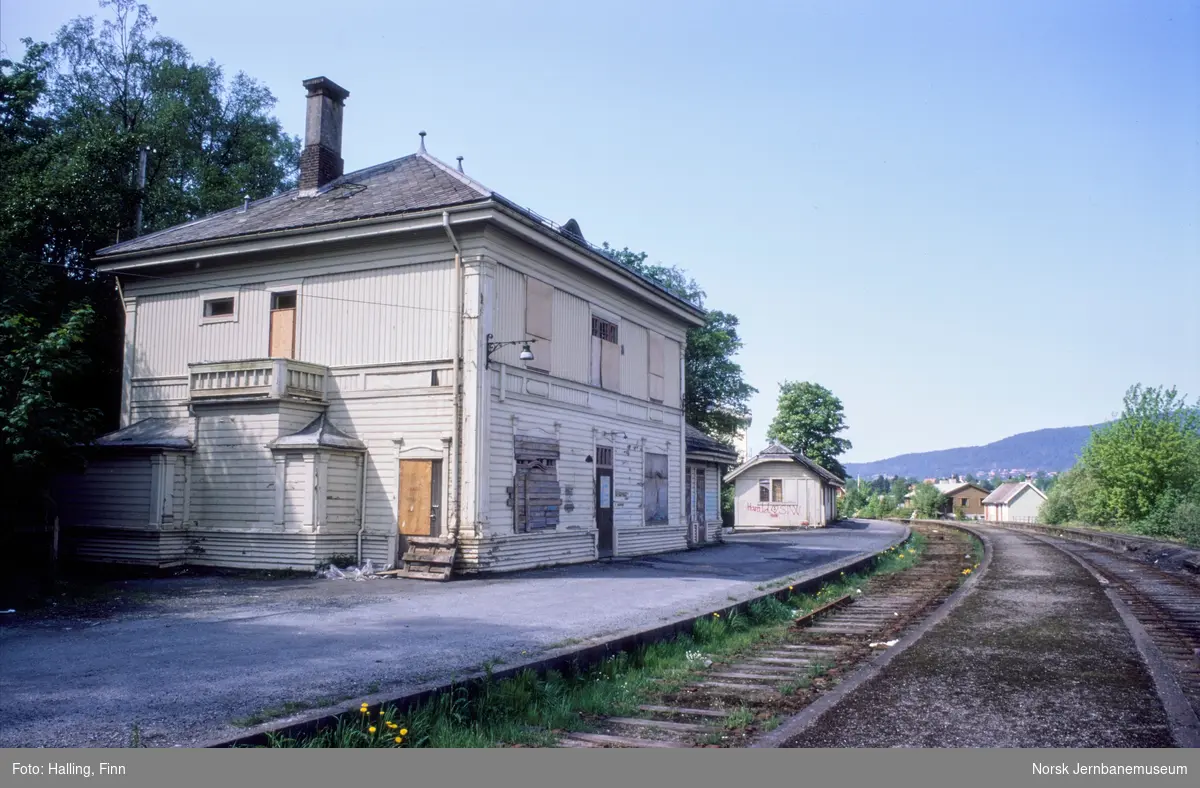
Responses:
[783,489]
[396,364]
[966,497]
[707,460]
[1014,502]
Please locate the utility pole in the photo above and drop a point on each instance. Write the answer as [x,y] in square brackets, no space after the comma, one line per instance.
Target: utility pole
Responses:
[141,186]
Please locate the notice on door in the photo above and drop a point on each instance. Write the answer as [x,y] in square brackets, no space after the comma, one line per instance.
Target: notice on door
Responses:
[605,492]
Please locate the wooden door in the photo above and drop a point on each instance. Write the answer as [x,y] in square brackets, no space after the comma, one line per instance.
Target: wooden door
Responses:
[416,515]
[701,513]
[283,325]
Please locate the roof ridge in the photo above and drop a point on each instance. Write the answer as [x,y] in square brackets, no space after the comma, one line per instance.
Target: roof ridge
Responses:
[461,176]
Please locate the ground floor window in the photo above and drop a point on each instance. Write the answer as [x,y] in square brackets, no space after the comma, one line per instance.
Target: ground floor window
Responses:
[770,490]
[536,493]
[656,498]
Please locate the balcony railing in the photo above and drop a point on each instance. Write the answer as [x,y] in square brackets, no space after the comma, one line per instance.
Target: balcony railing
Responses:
[264,378]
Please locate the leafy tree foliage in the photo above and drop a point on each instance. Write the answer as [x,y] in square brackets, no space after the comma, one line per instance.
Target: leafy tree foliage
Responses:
[808,419]
[928,501]
[717,394]
[74,114]
[1141,471]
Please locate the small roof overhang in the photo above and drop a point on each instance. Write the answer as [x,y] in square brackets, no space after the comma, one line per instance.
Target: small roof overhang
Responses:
[320,433]
[156,433]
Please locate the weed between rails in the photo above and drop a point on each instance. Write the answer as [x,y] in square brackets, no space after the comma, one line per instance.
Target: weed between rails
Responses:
[532,710]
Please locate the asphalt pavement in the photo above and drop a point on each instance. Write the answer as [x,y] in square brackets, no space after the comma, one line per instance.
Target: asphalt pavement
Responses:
[183,659]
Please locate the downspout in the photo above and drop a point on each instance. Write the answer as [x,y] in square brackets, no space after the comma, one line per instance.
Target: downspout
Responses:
[456,460]
[362,506]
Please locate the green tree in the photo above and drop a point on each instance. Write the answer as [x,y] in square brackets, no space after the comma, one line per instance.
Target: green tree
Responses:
[928,500]
[1153,448]
[717,395]
[808,419]
[74,114]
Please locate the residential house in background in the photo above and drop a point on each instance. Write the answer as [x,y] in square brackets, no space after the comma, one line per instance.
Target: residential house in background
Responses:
[784,489]
[397,364]
[966,497]
[707,461]
[1014,502]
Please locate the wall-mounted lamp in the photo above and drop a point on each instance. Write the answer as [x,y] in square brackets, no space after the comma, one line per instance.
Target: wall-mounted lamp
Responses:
[526,353]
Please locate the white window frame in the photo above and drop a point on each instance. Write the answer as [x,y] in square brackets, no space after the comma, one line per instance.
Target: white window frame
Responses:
[771,490]
[220,295]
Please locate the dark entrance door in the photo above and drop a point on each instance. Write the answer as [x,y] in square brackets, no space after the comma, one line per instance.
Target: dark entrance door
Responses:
[604,493]
[701,514]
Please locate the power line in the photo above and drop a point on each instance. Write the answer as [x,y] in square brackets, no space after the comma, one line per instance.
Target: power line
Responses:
[262,289]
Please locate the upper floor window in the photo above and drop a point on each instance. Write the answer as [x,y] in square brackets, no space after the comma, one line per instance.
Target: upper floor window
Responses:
[219,309]
[606,354]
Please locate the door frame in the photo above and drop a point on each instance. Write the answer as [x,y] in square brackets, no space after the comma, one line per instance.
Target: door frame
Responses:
[605,471]
[421,449]
[272,289]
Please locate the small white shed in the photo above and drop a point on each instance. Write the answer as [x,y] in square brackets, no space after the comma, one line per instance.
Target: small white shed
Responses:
[1014,502]
[783,489]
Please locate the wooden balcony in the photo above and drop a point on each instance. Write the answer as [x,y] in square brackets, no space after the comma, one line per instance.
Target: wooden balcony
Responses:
[264,378]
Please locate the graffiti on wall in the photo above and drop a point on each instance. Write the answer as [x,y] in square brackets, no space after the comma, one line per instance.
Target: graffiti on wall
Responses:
[775,509]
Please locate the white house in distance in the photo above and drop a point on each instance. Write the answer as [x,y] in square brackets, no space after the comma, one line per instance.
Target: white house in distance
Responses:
[1014,502]
[785,489]
[396,364]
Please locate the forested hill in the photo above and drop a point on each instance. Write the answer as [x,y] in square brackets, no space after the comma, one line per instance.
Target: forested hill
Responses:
[1054,449]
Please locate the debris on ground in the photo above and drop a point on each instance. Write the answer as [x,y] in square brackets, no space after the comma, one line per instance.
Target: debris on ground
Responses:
[358,573]
[884,644]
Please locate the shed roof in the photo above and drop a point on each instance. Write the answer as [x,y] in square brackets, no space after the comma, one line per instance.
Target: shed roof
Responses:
[699,443]
[777,452]
[151,434]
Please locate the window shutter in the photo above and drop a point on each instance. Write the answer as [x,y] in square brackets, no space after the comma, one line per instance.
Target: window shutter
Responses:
[539,320]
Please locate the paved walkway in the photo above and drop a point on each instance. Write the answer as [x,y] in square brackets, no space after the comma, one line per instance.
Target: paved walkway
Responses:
[1035,656]
[185,657]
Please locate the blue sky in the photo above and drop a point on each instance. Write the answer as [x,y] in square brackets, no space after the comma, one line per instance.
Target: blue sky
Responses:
[967,220]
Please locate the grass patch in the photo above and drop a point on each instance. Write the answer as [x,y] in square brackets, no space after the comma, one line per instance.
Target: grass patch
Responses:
[532,709]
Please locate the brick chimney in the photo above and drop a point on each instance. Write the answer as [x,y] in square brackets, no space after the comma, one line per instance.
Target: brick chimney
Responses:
[321,159]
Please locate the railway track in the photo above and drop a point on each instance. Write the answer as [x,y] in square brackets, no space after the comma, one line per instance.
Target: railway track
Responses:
[1166,604]
[730,701]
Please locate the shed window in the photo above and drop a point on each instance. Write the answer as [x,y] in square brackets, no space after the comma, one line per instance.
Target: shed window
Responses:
[655,501]
[964,501]
[770,490]
[537,496]
[219,307]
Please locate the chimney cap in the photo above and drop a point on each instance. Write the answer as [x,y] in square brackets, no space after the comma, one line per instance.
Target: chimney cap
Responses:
[324,86]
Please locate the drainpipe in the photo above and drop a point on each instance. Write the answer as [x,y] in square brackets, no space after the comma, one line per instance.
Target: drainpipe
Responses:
[362,506]
[456,460]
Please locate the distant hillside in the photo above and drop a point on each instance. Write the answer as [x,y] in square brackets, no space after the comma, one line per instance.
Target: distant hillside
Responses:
[1054,449]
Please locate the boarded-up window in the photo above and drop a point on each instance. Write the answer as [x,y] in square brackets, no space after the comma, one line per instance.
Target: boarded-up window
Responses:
[656,498]
[656,365]
[537,499]
[606,354]
[539,320]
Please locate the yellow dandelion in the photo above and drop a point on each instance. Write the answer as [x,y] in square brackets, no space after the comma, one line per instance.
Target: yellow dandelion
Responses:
[966,571]
[371,729]
[716,615]
[404,731]
[399,739]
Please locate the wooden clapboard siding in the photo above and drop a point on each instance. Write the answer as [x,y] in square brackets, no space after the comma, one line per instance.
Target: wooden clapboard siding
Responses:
[420,420]
[342,491]
[112,491]
[651,539]
[126,545]
[575,475]
[266,550]
[233,480]
[634,363]
[170,333]
[380,316]
[510,552]
[296,494]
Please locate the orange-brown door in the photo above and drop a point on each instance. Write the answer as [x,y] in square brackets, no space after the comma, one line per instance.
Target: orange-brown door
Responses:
[283,325]
[416,498]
